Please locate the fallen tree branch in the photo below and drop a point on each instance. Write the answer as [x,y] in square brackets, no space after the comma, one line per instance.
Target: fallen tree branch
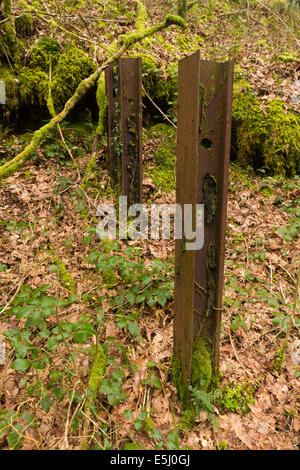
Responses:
[125,42]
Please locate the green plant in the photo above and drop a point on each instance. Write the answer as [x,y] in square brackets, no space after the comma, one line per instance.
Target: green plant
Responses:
[290,232]
[152,380]
[137,283]
[237,322]
[163,170]
[112,387]
[33,345]
[12,427]
[236,398]
[203,401]
[144,423]
[268,140]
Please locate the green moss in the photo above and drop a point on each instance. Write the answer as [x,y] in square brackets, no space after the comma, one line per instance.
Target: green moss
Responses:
[12,96]
[102,105]
[68,70]
[131,38]
[97,371]
[141,16]
[24,24]
[188,419]
[72,67]
[91,166]
[33,87]
[65,277]
[222,445]
[38,136]
[287,57]
[45,51]
[109,276]
[236,398]
[159,82]
[281,148]
[178,381]
[201,372]
[97,374]
[131,446]
[176,20]
[201,364]
[163,171]
[271,141]
[279,360]
[9,45]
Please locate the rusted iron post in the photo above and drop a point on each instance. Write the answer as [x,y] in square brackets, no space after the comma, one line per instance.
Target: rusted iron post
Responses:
[203,148]
[112,85]
[124,94]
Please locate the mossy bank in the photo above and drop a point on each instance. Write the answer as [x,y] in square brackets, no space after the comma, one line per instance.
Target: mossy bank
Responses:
[49,65]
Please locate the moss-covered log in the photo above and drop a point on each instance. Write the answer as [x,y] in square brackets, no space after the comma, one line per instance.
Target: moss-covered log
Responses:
[126,41]
[141,15]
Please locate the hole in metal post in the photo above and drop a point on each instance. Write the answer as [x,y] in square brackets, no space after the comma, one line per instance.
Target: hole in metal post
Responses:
[206,144]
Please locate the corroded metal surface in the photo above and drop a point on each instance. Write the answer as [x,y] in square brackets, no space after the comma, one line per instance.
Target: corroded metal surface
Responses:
[203,148]
[131,128]
[124,95]
[186,190]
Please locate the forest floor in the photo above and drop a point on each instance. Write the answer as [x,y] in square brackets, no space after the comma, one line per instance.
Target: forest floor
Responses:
[63,291]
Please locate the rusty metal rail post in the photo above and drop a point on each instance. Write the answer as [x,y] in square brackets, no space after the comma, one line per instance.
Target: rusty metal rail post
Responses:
[124,95]
[203,148]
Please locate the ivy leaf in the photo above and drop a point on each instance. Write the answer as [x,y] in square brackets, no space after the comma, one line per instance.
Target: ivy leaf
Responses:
[113,390]
[121,323]
[21,364]
[138,425]
[140,298]
[143,415]
[46,404]
[133,329]
[15,437]
[156,434]
[162,297]
[118,374]
[29,419]
[48,302]
[273,303]
[130,298]
[128,414]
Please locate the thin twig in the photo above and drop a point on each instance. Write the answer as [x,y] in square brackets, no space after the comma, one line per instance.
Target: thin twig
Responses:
[158,108]
[235,353]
